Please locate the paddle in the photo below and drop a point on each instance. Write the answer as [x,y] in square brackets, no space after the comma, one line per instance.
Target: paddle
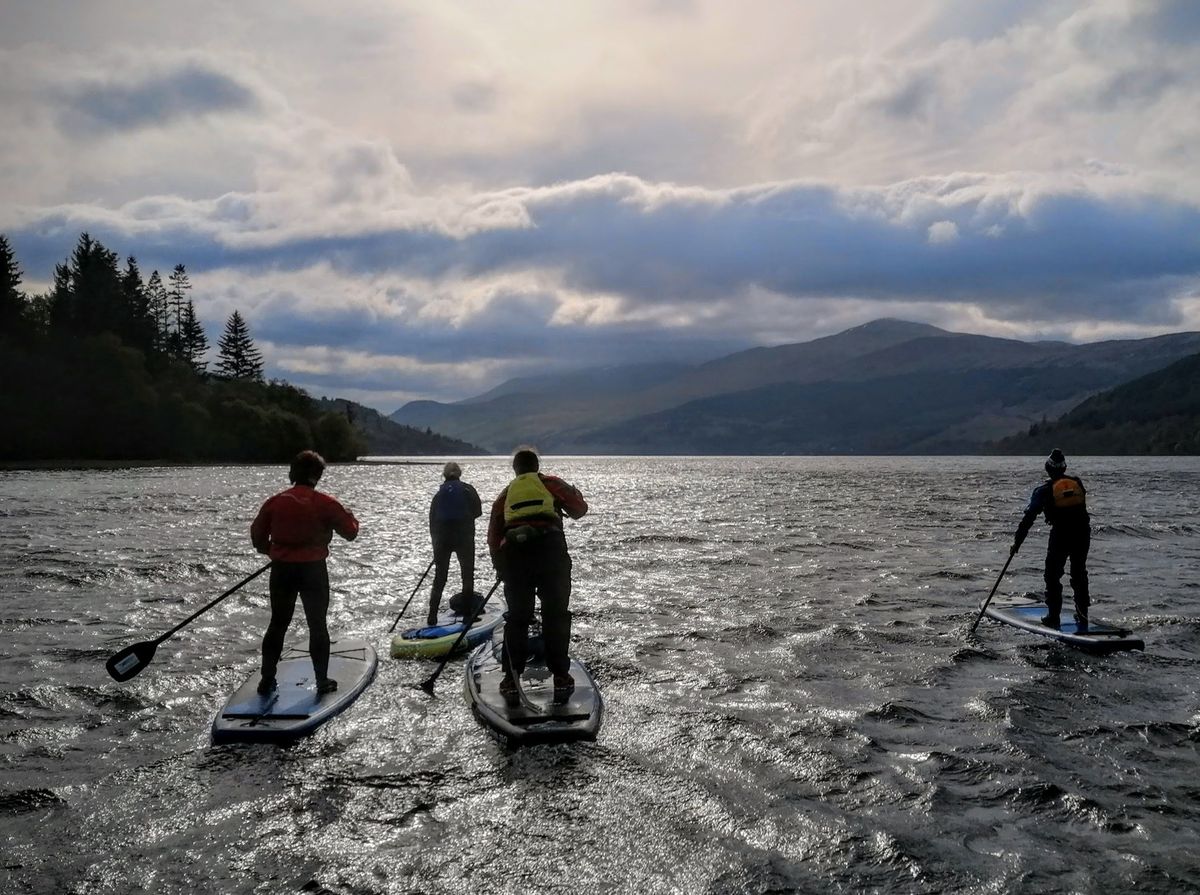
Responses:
[983,608]
[410,598]
[427,686]
[133,659]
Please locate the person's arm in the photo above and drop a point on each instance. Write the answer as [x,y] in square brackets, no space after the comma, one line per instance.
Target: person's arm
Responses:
[495,532]
[566,496]
[476,505]
[1036,502]
[260,530]
[341,519]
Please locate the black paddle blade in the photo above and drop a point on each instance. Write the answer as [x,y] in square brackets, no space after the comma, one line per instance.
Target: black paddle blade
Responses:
[131,660]
[427,686]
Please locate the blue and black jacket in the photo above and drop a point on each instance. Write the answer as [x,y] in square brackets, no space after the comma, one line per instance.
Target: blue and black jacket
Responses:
[1062,499]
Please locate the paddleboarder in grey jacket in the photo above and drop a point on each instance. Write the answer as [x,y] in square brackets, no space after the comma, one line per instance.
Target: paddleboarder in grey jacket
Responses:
[1062,498]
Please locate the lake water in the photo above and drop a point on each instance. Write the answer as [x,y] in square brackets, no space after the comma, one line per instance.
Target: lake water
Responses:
[793,701]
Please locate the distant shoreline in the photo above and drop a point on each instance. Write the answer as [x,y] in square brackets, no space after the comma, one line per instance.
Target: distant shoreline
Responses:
[64,465]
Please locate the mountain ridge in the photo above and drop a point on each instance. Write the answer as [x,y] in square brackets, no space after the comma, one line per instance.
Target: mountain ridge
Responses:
[771,399]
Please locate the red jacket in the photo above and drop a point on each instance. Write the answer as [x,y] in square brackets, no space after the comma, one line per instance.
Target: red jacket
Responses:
[297,525]
[567,499]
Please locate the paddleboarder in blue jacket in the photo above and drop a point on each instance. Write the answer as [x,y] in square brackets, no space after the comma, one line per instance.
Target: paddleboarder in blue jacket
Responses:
[1063,500]
[452,514]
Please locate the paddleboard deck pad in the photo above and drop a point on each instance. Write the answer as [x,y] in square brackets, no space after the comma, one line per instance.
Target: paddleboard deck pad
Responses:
[295,709]
[435,641]
[537,719]
[1100,637]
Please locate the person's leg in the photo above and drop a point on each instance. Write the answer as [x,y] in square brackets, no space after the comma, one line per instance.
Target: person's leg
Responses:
[314,596]
[466,562]
[554,590]
[442,549]
[1056,562]
[283,588]
[1079,576]
[519,594]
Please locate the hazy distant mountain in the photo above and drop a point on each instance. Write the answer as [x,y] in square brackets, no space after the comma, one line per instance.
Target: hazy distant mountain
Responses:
[386,437]
[889,386]
[1158,413]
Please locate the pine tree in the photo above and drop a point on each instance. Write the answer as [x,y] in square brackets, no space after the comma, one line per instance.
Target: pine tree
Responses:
[177,299]
[87,296]
[137,327]
[192,339]
[239,359]
[12,300]
[158,304]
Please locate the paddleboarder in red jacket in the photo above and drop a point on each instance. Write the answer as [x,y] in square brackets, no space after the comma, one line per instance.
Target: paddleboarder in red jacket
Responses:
[295,528]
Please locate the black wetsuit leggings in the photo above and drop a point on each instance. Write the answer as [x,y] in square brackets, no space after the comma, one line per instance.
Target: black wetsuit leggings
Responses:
[310,580]
[540,568]
[1068,543]
[452,539]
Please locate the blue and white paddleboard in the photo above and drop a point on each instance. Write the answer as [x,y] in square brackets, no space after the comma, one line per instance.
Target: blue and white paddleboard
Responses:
[1100,637]
[295,708]
[434,641]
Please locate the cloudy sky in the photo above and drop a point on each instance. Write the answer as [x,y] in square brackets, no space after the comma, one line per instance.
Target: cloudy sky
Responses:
[419,200]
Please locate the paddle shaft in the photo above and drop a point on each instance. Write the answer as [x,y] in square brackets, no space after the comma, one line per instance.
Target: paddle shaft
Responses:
[410,597]
[131,660]
[199,612]
[428,685]
[983,608]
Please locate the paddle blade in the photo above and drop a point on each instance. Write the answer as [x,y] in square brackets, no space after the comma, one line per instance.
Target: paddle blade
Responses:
[131,660]
[427,686]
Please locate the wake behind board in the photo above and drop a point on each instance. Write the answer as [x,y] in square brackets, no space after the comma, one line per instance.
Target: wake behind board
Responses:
[1100,637]
[295,709]
[435,641]
[537,719]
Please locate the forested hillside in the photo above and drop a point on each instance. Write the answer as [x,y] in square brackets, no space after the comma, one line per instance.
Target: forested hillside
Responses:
[387,438]
[1158,413]
[109,365]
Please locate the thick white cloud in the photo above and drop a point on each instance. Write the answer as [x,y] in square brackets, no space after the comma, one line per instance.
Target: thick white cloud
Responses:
[409,198]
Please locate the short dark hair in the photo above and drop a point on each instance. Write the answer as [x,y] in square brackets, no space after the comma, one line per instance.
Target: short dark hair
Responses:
[525,460]
[307,468]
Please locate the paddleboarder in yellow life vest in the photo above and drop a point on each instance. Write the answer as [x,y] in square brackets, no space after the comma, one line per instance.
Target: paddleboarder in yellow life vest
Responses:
[1063,499]
[529,551]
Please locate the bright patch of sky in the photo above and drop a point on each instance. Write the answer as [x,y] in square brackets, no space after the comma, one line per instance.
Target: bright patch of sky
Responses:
[418,200]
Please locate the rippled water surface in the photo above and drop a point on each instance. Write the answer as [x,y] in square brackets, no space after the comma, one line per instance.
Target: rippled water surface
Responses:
[793,701]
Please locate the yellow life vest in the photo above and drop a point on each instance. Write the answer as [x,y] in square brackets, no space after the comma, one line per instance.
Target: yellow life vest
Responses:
[1067,492]
[528,498]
